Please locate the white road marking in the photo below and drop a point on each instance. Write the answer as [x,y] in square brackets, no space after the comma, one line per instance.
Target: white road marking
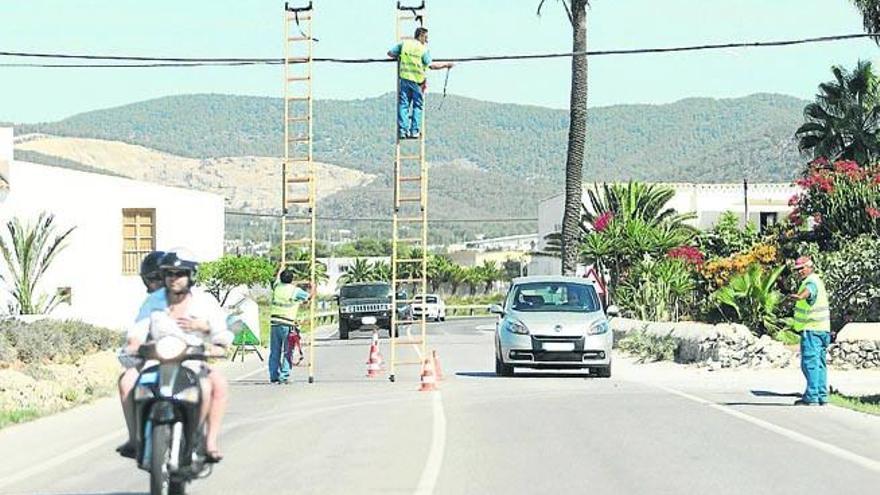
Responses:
[431,471]
[828,448]
[490,326]
[61,459]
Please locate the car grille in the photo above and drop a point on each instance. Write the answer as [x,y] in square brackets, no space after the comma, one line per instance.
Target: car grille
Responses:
[557,338]
[369,308]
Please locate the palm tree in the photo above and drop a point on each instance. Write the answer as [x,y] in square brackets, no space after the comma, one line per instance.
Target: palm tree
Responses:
[577,133]
[844,121]
[438,271]
[632,201]
[456,276]
[360,271]
[472,277]
[28,252]
[489,273]
[301,271]
[870,15]
[381,270]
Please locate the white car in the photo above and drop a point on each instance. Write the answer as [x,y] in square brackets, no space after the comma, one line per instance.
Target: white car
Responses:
[552,322]
[430,304]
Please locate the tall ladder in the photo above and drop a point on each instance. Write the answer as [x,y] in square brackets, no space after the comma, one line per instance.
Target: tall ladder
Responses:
[298,169]
[409,246]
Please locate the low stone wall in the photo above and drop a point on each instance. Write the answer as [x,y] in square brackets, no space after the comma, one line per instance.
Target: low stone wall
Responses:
[716,346]
[857,346]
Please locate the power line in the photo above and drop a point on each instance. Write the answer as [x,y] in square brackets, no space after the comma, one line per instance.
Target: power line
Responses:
[232,61]
[377,219]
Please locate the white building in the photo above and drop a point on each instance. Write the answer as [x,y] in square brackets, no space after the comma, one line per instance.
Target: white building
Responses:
[524,242]
[767,204]
[117,221]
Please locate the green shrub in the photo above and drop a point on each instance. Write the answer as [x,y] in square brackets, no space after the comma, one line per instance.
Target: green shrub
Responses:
[648,347]
[852,277]
[788,337]
[57,341]
[751,298]
[727,237]
[657,290]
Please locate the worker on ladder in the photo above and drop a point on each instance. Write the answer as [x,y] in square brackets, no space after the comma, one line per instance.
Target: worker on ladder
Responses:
[413,58]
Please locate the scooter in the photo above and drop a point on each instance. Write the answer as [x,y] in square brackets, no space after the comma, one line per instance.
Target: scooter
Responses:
[168,401]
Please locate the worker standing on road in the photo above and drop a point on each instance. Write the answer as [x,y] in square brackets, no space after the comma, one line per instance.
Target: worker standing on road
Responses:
[286,299]
[812,318]
[413,58]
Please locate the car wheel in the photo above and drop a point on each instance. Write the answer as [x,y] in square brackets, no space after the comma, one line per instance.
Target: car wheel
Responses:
[343,331]
[602,372]
[502,369]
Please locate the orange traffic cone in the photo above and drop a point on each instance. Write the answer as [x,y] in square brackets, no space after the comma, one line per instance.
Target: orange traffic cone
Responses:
[374,362]
[428,383]
[438,370]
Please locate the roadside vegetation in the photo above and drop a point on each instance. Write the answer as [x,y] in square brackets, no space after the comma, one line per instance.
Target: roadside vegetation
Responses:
[869,404]
[48,366]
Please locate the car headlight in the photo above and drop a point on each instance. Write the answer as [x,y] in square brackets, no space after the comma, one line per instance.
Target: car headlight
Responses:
[189,394]
[345,309]
[170,347]
[518,327]
[599,327]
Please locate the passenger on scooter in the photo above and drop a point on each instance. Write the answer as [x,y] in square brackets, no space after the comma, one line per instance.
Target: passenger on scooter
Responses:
[195,312]
[151,276]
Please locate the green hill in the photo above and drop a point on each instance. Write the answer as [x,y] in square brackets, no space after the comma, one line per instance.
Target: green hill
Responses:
[492,159]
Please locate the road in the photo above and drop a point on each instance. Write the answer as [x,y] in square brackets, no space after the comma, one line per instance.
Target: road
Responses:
[642,431]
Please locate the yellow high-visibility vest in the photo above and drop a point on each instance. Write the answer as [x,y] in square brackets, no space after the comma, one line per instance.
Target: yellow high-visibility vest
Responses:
[410,62]
[285,307]
[817,316]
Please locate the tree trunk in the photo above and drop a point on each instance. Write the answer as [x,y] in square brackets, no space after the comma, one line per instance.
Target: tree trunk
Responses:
[577,135]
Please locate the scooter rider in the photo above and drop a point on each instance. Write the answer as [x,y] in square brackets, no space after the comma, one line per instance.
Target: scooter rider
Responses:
[195,312]
[151,276]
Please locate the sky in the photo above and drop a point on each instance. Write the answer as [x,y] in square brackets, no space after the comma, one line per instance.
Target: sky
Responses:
[365,29]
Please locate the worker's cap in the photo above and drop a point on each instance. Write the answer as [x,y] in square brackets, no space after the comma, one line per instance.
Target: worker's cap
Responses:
[802,262]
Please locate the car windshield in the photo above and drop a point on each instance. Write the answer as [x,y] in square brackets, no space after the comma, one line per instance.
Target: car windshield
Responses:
[365,291]
[555,296]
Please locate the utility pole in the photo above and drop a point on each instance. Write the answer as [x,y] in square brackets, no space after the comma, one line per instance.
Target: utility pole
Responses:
[745,203]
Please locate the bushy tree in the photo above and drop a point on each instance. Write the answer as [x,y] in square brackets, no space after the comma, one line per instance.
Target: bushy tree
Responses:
[727,237]
[221,276]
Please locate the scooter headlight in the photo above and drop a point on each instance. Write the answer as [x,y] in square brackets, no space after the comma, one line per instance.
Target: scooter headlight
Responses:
[170,347]
[189,394]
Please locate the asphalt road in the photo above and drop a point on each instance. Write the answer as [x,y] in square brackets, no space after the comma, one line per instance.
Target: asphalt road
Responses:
[637,432]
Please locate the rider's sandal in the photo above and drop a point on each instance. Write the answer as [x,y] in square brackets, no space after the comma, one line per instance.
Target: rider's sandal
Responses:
[214,456]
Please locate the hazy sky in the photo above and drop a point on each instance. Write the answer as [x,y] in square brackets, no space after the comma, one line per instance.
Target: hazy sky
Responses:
[365,28]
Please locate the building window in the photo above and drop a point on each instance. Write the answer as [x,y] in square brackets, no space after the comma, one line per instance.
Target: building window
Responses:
[768,219]
[138,238]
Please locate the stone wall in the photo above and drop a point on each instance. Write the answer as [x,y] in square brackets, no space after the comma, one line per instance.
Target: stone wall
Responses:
[857,346]
[716,346]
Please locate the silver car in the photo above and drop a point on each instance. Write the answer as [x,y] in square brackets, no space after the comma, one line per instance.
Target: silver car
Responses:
[552,322]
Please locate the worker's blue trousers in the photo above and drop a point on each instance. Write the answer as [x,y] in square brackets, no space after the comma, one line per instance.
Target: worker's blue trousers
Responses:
[813,350]
[409,123]
[279,366]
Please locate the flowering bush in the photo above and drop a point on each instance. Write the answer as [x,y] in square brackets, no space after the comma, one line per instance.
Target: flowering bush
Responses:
[720,270]
[688,254]
[602,221]
[842,198]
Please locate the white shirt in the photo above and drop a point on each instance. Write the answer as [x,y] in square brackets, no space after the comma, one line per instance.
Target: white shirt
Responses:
[201,306]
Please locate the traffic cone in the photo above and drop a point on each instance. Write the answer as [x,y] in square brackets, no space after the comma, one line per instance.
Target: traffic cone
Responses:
[438,370]
[374,362]
[428,383]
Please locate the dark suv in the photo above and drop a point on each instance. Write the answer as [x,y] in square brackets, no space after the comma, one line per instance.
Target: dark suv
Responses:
[367,306]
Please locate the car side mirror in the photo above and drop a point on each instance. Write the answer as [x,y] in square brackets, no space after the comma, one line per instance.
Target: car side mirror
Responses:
[496,309]
[612,310]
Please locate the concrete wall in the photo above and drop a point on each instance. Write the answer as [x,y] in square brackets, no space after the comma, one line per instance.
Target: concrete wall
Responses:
[91,265]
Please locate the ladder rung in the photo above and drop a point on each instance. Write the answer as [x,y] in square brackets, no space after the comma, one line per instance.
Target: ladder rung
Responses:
[305,18]
[299,200]
[410,260]
[410,219]
[301,282]
[410,239]
[408,341]
[298,119]
[298,38]
[409,322]
[297,262]
[408,280]
[298,78]
[298,221]
[406,38]
[410,199]
[298,98]
[298,160]
[299,139]
[298,241]
[299,180]
[410,178]
[407,363]
[410,157]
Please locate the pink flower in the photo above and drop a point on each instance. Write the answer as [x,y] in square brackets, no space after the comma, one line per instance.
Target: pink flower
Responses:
[688,254]
[603,220]
[873,212]
[794,200]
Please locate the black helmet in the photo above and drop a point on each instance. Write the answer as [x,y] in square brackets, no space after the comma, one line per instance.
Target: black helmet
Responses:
[180,259]
[150,265]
